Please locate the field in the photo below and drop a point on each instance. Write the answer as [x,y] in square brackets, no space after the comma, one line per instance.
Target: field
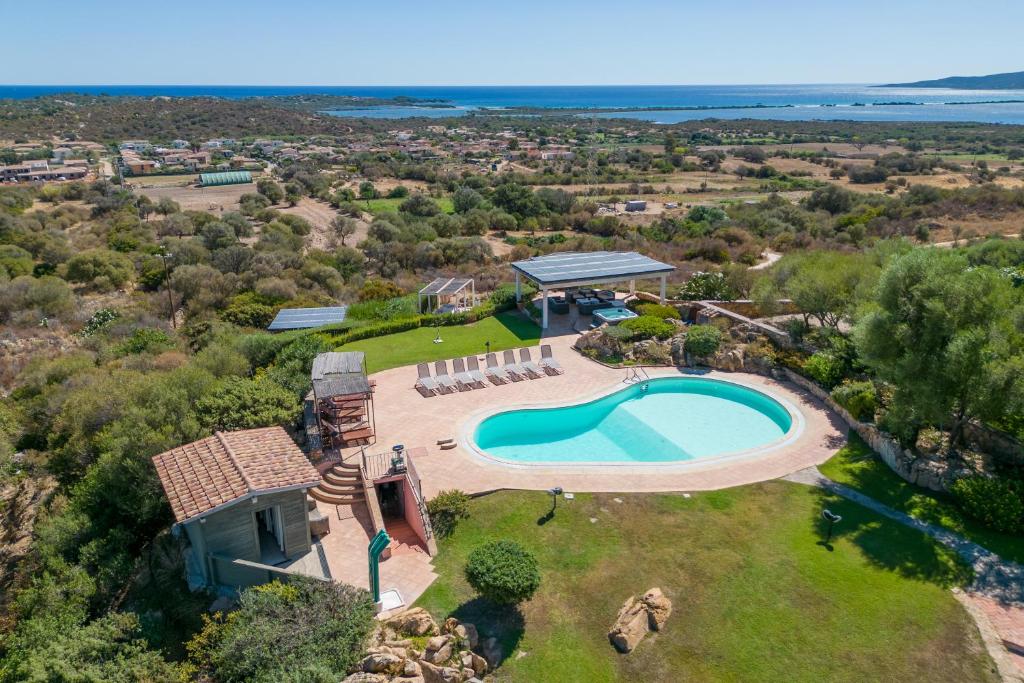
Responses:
[757,596]
[856,466]
[191,198]
[505,331]
[379,206]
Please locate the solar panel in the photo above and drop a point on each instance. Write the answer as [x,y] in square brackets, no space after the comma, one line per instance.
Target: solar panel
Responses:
[568,267]
[302,318]
[444,286]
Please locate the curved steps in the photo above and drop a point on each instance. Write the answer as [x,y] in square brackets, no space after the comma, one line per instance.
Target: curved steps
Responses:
[340,485]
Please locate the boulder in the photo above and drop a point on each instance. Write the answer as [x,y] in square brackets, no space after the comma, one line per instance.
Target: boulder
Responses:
[439,649]
[478,664]
[491,651]
[440,674]
[411,669]
[659,608]
[630,625]
[472,636]
[381,662]
[363,677]
[413,622]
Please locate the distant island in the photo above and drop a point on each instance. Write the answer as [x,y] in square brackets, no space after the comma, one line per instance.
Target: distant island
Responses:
[1007,81]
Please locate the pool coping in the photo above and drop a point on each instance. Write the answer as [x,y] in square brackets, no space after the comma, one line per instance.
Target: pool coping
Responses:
[469,425]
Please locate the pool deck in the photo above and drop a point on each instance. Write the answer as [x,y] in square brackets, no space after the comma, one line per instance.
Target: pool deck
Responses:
[404,416]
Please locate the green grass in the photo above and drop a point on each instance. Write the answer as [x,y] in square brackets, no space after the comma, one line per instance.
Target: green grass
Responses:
[506,330]
[860,468]
[756,596]
[385,205]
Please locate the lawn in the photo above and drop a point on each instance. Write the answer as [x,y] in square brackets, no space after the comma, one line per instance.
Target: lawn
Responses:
[860,468]
[506,330]
[757,596]
[385,205]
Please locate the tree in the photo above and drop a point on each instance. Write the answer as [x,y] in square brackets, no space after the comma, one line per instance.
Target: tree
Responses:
[670,143]
[420,205]
[466,199]
[270,189]
[503,572]
[244,403]
[943,336]
[825,285]
[100,268]
[367,190]
[831,198]
[305,630]
[518,200]
[344,227]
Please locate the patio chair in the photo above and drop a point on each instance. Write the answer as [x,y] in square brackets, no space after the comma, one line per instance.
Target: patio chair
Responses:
[462,377]
[531,368]
[441,375]
[494,372]
[473,368]
[425,384]
[514,369]
[548,362]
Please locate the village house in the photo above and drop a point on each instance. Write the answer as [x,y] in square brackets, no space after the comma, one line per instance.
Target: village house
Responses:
[239,502]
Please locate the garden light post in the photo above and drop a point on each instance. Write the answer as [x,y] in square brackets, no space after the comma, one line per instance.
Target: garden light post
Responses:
[831,518]
[555,493]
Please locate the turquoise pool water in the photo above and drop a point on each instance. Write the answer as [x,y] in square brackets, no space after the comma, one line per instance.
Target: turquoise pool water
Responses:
[673,419]
[614,314]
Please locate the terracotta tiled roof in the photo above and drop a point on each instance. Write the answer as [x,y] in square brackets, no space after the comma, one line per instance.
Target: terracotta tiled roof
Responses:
[230,465]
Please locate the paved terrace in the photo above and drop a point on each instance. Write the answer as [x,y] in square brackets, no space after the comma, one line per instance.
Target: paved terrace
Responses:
[406,417]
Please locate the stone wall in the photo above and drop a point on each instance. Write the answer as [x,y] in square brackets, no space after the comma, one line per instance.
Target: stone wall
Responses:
[996,443]
[750,309]
[933,474]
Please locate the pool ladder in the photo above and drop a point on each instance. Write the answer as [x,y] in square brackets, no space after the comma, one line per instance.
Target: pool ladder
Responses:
[637,375]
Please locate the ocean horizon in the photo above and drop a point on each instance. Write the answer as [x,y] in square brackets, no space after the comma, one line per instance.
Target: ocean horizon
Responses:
[656,103]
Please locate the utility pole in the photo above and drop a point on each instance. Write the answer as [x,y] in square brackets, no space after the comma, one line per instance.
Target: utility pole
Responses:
[167,285]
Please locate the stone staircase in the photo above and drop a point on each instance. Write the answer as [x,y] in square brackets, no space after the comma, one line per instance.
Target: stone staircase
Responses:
[340,485]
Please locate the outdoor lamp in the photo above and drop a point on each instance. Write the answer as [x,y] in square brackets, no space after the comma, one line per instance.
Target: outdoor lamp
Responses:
[831,518]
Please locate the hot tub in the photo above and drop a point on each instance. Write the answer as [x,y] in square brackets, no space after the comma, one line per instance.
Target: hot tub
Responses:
[612,316]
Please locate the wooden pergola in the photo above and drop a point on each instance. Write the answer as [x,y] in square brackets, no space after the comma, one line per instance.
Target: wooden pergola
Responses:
[343,399]
[451,291]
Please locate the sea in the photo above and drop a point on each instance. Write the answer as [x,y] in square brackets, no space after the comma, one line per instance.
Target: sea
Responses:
[656,103]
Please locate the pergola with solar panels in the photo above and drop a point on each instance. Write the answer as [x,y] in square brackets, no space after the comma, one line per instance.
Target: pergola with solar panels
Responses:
[448,295]
[578,269]
[343,399]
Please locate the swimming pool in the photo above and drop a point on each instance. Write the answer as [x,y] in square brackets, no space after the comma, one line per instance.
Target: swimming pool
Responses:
[664,420]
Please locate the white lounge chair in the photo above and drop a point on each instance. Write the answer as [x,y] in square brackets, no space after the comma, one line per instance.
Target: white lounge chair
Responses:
[441,375]
[473,368]
[514,369]
[494,372]
[548,362]
[532,369]
[425,383]
[463,378]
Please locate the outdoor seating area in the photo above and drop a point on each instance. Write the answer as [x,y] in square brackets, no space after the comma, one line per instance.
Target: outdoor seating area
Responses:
[466,373]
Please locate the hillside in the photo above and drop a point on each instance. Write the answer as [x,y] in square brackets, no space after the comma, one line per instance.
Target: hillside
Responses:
[1007,81]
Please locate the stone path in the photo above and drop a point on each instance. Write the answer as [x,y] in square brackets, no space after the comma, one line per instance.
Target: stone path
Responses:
[995,598]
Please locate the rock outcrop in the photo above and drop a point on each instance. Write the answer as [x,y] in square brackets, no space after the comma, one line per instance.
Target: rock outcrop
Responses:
[448,655]
[637,617]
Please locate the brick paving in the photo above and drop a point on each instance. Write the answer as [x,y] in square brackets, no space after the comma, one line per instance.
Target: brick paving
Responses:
[404,416]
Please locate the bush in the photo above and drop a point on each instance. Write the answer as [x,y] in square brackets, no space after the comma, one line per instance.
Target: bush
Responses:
[146,340]
[379,289]
[446,509]
[825,368]
[858,398]
[648,327]
[996,503]
[305,630]
[659,311]
[243,403]
[503,572]
[100,268]
[249,314]
[702,340]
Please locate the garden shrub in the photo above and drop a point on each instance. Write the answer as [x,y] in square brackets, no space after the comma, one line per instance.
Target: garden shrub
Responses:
[304,630]
[249,314]
[145,340]
[659,311]
[996,503]
[702,340]
[858,398]
[244,403]
[446,509]
[648,327]
[503,572]
[825,369]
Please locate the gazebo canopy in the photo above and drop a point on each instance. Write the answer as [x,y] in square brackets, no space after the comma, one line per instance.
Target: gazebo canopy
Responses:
[339,373]
[572,269]
[446,286]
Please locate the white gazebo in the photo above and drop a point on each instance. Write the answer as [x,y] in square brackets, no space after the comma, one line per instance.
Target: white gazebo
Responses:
[573,269]
[457,293]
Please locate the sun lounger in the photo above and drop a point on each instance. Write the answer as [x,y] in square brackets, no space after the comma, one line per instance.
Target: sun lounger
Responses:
[494,372]
[514,369]
[532,369]
[463,378]
[548,362]
[473,368]
[425,382]
[441,375]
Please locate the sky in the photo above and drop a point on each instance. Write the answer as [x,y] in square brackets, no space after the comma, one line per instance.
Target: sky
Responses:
[528,42]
